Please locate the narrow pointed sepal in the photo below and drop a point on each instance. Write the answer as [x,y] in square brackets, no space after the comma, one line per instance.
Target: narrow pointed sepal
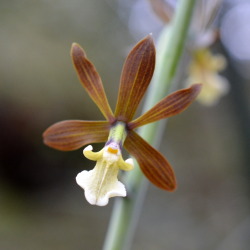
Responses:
[91,81]
[152,163]
[136,75]
[170,105]
[73,134]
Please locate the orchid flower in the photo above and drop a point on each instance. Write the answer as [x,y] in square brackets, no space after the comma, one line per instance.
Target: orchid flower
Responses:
[205,66]
[117,131]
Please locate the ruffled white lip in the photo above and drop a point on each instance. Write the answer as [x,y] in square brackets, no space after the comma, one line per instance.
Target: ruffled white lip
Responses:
[101,183]
[84,180]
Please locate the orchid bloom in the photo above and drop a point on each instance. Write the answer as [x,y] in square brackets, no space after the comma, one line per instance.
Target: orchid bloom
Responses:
[205,67]
[101,183]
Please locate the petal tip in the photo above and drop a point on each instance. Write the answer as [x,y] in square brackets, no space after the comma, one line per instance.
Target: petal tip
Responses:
[149,39]
[76,49]
[173,187]
[150,36]
[88,148]
[197,86]
[73,47]
[130,161]
[74,44]
[167,183]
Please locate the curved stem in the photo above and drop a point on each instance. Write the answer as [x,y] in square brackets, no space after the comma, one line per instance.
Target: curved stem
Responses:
[170,47]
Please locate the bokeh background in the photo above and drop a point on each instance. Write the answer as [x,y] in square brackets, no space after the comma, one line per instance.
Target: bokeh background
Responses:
[41,207]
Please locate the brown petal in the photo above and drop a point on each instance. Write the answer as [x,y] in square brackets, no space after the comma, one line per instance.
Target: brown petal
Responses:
[73,134]
[152,163]
[168,106]
[91,80]
[136,75]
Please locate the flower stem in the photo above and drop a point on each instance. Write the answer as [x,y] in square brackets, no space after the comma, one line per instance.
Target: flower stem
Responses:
[126,211]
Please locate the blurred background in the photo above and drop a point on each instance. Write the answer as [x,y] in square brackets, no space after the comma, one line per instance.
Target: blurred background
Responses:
[41,206]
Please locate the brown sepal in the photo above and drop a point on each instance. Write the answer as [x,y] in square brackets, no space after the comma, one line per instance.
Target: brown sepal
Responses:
[73,134]
[91,81]
[136,75]
[170,105]
[152,163]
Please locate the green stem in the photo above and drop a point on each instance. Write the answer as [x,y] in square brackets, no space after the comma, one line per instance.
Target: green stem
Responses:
[170,47]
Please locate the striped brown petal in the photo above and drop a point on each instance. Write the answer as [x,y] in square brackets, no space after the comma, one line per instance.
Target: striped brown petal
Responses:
[136,75]
[73,134]
[152,163]
[91,80]
[168,106]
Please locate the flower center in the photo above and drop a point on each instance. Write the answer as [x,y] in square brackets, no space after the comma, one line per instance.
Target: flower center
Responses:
[116,137]
[112,150]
